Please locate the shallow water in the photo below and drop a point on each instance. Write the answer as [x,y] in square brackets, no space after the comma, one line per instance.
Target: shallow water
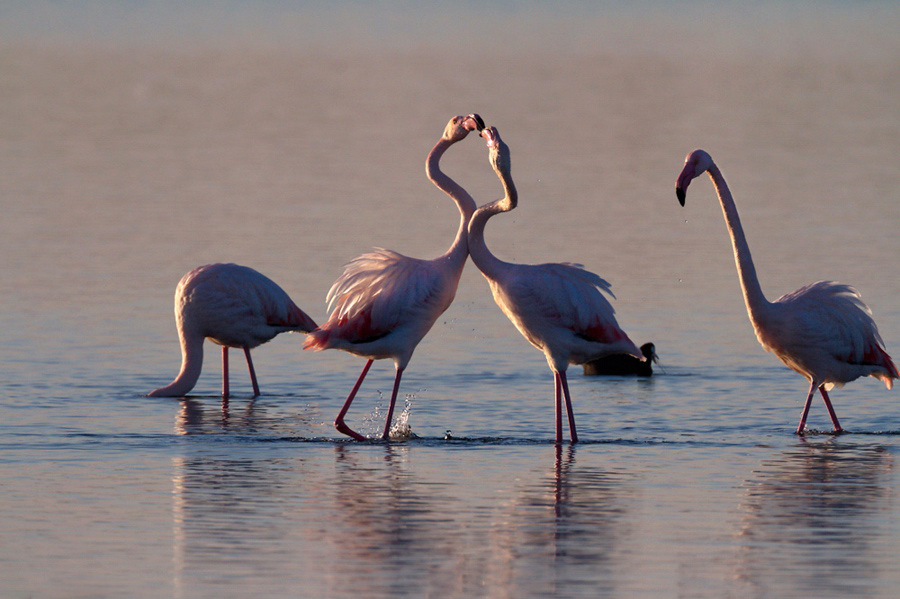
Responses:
[129,155]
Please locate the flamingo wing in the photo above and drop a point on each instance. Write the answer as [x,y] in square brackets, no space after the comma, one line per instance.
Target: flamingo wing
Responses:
[833,316]
[238,306]
[566,296]
[382,290]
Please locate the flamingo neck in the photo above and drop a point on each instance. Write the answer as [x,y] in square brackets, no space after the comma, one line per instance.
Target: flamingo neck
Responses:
[487,263]
[753,295]
[191,364]
[459,249]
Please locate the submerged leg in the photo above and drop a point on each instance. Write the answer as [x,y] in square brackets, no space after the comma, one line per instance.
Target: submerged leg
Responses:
[558,396]
[571,414]
[390,414]
[224,372]
[339,421]
[834,420]
[252,372]
[802,425]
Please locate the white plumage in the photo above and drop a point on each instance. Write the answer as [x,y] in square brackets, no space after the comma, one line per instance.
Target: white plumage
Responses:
[233,306]
[384,303]
[823,331]
[560,308]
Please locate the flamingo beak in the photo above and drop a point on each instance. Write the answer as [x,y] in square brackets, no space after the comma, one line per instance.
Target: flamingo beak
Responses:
[681,194]
[479,122]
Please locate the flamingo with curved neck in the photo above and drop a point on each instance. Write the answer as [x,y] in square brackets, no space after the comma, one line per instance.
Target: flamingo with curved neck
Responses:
[823,331]
[384,303]
[233,306]
[559,308]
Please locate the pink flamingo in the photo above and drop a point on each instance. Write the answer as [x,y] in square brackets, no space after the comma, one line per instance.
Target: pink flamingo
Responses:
[234,306]
[559,308]
[824,331]
[384,303]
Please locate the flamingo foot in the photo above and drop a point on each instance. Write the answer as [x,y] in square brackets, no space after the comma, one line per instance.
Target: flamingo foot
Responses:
[343,428]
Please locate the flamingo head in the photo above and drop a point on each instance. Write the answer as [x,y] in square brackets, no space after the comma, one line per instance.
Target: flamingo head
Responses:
[460,126]
[498,151]
[696,163]
[498,156]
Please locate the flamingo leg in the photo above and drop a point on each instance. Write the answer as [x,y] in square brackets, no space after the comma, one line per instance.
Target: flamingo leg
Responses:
[571,414]
[837,425]
[224,372]
[558,397]
[339,420]
[390,414]
[252,372]
[802,425]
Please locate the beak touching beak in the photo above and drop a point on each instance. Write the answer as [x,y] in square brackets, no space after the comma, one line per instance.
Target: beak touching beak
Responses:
[479,122]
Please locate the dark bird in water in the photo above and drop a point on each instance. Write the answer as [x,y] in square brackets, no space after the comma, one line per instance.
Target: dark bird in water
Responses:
[624,364]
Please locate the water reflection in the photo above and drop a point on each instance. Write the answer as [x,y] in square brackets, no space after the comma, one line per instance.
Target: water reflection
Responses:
[252,416]
[227,522]
[398,520]
[560,535]
[396,531]
[811,516]
[555,533]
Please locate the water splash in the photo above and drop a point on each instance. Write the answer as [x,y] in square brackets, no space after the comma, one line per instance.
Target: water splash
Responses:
[401,429]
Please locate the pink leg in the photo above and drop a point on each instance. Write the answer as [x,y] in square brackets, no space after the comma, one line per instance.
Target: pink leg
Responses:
[837,425]
[390,414]
[339,421]
[802,425]
[565,387]
[224,372]
[558,396]
[252,372]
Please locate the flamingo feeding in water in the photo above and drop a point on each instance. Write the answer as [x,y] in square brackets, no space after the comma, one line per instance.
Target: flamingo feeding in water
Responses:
[234,306]
[384,303]
[559,308]
[824,330]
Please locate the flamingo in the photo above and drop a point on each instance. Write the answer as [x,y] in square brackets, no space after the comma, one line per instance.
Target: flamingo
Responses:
[823,331]
[234,306]
[384,303]
[559,307]
[624,364]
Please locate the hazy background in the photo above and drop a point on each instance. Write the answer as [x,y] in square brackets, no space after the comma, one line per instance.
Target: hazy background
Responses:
[141,139]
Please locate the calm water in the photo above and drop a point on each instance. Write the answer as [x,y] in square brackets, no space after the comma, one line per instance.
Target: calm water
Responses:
[139,142]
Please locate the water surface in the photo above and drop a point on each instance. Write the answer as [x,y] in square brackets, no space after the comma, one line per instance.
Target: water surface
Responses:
[291,139]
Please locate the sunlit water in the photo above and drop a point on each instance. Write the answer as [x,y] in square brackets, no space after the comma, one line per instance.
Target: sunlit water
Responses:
[291,140]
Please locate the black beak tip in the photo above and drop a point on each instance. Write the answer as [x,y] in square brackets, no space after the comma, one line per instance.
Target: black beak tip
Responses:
[681,195]
[479,122]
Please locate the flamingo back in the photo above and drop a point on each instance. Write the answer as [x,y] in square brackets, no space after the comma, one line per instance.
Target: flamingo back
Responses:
[562,309]
[236,305]
[382,291]
[830,318]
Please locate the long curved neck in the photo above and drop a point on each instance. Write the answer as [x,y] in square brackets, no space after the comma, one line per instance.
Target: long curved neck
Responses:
[459,250]
[753,294]
[191,364]
[487,263]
